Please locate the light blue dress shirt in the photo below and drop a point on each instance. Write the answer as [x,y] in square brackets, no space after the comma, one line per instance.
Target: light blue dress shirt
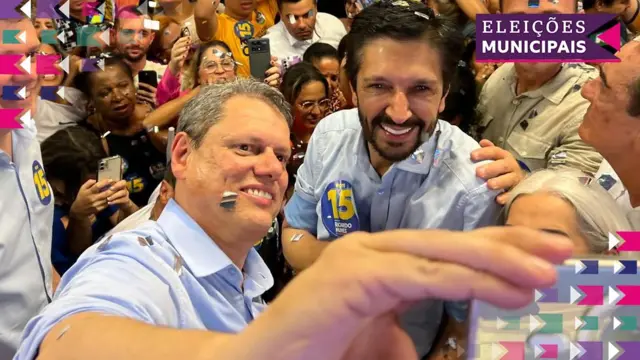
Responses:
[167,273]
[26,220]
[338,191]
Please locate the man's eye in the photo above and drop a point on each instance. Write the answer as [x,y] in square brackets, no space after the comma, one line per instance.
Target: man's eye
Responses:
[244,147]
[422,88]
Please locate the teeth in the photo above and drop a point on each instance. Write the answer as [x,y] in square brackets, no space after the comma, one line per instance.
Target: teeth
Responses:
[396,131]
[259,193]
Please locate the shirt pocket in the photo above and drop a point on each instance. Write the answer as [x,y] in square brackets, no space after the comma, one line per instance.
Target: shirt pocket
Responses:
[530,152]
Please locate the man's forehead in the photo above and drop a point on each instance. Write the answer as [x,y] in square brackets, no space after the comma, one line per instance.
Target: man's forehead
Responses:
[299,8]
[132,22]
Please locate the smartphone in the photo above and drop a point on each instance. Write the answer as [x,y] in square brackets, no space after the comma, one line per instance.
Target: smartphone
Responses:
[148,77]
[259,57]
[534,3]
[110,168]
[564,320]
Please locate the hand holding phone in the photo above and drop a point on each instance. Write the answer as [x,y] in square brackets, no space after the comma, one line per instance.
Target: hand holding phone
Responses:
[147,87]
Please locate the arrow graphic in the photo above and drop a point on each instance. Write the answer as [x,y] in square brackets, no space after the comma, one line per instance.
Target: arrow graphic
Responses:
[8,118]
[594,295]
[630,241]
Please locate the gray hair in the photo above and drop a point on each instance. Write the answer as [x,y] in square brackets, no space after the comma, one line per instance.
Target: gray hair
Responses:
[598,214]
[207,108]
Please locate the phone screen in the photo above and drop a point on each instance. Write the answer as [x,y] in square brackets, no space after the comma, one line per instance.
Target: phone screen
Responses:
[578,315]
[148,77]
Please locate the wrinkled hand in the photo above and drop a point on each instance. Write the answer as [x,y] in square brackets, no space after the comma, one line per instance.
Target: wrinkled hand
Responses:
[146,94]
[502,174]
[179,53]
[364,278]
[272,75]
[90,199]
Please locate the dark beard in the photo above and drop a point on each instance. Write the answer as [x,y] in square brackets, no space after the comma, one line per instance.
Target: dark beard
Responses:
[134,59]
[382,118]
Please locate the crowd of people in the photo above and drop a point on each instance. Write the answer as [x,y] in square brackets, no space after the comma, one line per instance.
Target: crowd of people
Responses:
[444,180]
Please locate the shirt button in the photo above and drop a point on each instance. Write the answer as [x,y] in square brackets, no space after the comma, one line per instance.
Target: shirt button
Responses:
[524,153]
[500,139]
[515,102]
[380,192]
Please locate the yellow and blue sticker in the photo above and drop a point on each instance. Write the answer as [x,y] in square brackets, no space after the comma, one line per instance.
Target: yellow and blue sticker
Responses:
[40,181]
[338,208]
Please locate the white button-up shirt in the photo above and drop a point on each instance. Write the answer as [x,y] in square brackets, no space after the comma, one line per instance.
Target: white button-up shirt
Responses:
[329,29]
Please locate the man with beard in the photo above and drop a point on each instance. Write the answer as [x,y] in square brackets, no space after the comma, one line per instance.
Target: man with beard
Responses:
[390,164]
[132,41]
[534,109]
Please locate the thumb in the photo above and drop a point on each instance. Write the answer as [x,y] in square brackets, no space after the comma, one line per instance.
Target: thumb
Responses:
[486,143]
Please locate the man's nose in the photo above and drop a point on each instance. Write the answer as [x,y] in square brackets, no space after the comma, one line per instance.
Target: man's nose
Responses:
[398,109]
[269,165]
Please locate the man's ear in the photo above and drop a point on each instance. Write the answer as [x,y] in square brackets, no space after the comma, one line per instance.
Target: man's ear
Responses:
[180,151]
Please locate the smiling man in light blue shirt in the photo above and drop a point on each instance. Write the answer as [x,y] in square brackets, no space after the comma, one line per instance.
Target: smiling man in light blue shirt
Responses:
[195,267]
[390,164]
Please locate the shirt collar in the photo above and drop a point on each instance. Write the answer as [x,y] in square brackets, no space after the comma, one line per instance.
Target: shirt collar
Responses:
[425,156]
[201,254]
[554,90]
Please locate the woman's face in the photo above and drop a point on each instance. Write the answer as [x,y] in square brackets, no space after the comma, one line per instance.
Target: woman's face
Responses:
[330,68]
[113,93]
[548,212]
[43,24]
[51,79]
[312,105]
[216,66]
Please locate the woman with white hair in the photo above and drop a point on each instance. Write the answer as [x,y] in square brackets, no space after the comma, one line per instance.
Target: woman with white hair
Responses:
[563,202]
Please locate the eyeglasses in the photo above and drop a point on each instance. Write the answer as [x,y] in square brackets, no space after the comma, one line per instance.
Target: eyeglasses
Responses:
[323,105]
[211,66]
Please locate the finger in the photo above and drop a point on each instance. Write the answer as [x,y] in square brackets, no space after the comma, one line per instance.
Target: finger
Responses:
[494,169]
[100,185]
[504,182]
[486,143]
[88,184]
[117,197]
[272,79]
[400,278]
[515,254]
[272,71]
[145,98]
[119,185]
[488,153]
[503,198]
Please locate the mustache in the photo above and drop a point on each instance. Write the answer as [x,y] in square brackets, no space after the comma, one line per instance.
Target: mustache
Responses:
[383,118]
